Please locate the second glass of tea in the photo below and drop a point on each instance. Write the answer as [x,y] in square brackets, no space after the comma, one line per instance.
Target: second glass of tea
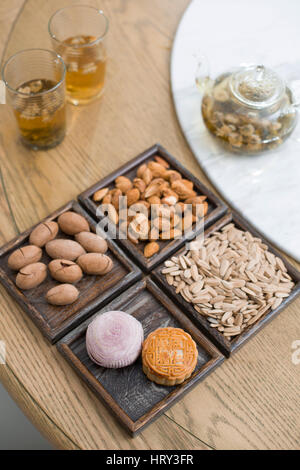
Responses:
[79,34]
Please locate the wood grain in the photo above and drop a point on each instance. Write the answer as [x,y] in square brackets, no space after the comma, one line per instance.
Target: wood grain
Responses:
[216,208]
[226,346]
[94,291]
[127,392]
[252,400]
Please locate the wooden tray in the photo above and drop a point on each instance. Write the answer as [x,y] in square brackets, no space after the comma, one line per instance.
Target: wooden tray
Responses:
[95,291]
[135,400]
[216,208]
[226,346]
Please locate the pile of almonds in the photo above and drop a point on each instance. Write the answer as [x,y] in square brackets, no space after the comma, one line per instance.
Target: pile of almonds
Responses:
[230,278]
[70,258]
[158,190]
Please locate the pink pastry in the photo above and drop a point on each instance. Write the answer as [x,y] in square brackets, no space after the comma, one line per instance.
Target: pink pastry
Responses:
[114,339]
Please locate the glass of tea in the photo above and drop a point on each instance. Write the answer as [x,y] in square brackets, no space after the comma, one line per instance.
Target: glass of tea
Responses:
[79,34]
[35,89]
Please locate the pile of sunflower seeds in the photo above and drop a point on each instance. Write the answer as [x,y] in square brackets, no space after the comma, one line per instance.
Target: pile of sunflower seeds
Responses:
[230,278]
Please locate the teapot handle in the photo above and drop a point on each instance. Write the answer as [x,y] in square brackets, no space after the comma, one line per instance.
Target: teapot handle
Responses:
[202,76]
[294,86]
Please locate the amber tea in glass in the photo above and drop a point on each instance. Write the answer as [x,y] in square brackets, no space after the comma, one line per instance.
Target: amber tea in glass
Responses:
[35,88]
[79,35]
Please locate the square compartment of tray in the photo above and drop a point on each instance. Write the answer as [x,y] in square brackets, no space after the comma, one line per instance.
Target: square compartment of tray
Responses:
[226,346]
[216,208]
[127,392]
[95,291]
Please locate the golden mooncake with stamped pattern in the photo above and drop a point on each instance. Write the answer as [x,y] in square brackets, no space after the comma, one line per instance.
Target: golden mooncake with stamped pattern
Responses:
[169,356]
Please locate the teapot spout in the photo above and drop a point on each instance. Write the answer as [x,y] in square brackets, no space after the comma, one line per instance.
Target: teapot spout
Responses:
[202,78]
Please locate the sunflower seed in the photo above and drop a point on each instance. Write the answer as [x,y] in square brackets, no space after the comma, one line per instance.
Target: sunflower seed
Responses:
[231,278]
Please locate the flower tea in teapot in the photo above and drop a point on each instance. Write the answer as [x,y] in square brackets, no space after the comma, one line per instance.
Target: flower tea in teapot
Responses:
[250,110]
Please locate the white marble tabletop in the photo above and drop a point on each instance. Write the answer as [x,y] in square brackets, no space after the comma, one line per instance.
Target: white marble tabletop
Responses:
[264,188]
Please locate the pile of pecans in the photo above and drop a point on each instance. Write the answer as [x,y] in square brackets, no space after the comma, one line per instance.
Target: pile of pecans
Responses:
[230,278]
[162,204]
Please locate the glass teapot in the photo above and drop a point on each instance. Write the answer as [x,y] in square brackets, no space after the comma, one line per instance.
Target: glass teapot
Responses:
[249,109]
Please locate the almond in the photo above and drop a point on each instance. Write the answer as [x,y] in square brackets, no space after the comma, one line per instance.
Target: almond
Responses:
[195,200]
[123,184]
[161,161]
[172,175]
[143,203]
[139,184]
[188,183]
[182,190]
[175,220]
[187,221]
[99,195]
[201,209]
[170,197]
[150,249]
[157,170]
[115,195]
[107,198]
[139,206]
[141,170]
[170,234]
[199,205]
[147,176]
[153,234]
[112,214]
[139,227]
[132,238]
[154,200]
[180,207]
[133,195]
[153,189]
[170,200]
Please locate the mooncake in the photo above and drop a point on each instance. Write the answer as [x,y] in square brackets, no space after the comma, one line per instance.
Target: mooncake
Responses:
[114,339]
[169,356]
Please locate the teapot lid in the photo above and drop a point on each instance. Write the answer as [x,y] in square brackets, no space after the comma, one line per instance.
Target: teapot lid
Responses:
[257,86]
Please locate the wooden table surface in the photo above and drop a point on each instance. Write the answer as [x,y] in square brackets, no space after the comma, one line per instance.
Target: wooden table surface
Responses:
[252,400]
